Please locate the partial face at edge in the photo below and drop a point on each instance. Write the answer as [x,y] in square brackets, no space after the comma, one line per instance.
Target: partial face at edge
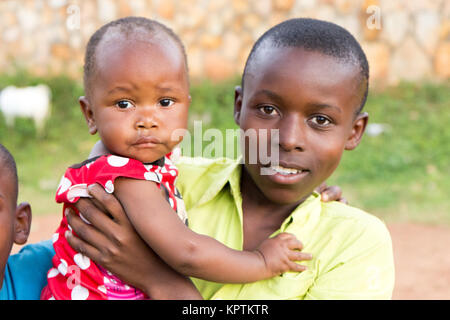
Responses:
[15,220]
[311,98]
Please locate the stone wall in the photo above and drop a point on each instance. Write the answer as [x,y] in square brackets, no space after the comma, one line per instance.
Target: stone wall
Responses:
[403,39]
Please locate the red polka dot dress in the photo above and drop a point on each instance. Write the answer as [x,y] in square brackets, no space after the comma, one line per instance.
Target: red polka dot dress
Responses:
[74,276]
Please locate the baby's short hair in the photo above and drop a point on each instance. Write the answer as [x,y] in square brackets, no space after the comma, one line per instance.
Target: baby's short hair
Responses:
[126,26]
[8,166]
[315,35]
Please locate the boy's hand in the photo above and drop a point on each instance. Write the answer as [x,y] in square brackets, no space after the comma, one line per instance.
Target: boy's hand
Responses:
[280,252]
[111,241]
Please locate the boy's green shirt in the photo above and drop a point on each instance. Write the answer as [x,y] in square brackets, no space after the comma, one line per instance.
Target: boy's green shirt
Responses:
[352,250]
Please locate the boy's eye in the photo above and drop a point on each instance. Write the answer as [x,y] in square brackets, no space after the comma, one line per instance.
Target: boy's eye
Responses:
[166,102]
[268,110]
[124,104]
[320,120]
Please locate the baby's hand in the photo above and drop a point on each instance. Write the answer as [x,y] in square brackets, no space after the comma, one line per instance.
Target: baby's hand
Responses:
[280,252]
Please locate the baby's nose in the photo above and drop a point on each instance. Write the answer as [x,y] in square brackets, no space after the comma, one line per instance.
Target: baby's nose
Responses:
[146,119]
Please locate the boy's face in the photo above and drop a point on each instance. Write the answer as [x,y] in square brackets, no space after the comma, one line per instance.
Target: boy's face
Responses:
[14,221]
[139,97]
[311,98]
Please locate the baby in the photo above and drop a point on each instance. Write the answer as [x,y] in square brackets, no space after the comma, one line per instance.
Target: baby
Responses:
[137,95]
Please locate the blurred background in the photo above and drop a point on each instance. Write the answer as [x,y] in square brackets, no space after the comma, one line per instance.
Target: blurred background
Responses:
[401,170]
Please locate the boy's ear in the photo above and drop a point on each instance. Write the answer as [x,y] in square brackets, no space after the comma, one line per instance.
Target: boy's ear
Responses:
[237,104]
[22,223]
[359,126]
[88,114]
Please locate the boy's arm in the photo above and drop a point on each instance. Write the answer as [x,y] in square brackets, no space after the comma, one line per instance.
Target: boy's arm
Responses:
[198,255]
[111,241]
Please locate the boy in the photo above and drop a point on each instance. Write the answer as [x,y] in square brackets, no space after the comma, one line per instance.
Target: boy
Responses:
[15,220]
[309,80]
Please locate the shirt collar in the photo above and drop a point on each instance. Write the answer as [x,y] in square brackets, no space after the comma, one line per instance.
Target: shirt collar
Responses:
[306,214]
[230,173]
[160,162]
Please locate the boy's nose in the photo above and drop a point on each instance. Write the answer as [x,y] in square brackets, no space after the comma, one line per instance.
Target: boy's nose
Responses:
[292,134]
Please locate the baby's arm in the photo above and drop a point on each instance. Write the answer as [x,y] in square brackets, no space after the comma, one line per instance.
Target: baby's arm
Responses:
[111,241]
[198,255]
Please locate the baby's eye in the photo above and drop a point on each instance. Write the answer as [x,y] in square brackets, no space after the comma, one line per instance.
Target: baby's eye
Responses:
[268,110]
[320,120]
[166,102]
[124,104]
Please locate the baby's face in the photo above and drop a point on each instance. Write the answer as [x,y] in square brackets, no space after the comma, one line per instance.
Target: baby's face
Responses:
[7,218]
[139,97]
[311,99]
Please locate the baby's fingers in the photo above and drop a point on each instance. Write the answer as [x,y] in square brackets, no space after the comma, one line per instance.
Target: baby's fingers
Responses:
[292,242]
[299,256]
[296,267]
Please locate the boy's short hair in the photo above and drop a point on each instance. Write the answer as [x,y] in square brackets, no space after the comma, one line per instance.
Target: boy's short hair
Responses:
[127,26]
[8,165]
[315,35]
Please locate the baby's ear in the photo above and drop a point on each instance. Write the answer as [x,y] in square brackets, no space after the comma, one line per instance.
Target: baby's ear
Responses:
[22,223]
[88,114]
[237,104]
[359,126]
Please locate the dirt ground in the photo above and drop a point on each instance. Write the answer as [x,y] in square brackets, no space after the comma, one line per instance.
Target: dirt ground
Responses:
[422,257]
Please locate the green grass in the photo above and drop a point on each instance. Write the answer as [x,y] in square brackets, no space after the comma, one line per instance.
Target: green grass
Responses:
[401,175]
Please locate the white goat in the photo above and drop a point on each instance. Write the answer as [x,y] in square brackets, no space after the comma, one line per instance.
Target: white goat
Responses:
[28,102]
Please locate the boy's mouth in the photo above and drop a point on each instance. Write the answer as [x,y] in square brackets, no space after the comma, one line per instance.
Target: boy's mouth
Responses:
[285,171]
